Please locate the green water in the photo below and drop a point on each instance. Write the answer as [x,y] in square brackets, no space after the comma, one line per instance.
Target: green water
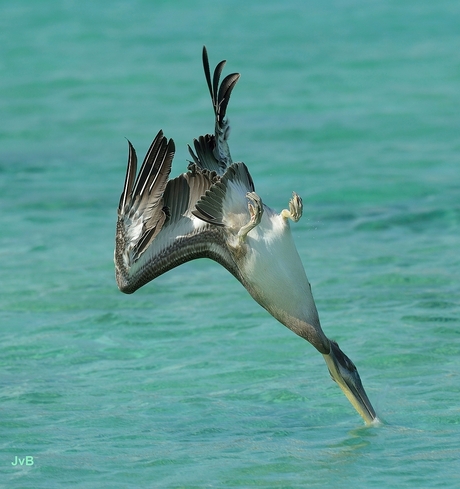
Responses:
[188,382]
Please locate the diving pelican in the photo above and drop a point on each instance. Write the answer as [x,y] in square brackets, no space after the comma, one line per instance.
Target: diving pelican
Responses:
[212,211]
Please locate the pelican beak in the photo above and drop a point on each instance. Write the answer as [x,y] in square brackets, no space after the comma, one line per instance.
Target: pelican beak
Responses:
[345,374]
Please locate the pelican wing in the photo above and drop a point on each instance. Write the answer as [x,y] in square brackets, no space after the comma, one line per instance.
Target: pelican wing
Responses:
[225,204]
[220,95]
[140,210]
[159,226]
[212,151]
[156,230]
[203,156]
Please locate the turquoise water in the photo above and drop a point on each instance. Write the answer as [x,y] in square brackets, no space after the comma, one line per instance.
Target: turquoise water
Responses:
[188,382]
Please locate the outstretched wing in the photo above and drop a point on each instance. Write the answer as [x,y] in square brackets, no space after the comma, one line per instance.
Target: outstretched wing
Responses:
[156,230]
[141,213]
[162,224]
[212,151]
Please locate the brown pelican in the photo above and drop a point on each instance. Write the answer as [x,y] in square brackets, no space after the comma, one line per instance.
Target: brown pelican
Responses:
[212,211]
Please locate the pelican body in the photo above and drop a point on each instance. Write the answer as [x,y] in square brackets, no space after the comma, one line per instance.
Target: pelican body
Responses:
[212,211]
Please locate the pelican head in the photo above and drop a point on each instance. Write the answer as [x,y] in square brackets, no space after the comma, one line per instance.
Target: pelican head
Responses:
[345,374]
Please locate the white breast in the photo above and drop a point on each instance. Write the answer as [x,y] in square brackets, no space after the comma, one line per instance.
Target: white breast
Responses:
[274,271]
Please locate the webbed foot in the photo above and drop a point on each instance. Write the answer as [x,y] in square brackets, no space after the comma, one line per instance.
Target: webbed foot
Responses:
[256,210]
[295,208]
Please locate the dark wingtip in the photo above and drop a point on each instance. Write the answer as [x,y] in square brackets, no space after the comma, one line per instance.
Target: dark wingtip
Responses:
[161,151]
[225,90]
[130,176]
[215,82]
[220,96]
[207,71]
[171,148]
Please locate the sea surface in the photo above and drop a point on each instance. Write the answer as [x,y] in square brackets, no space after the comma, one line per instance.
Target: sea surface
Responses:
[188,383]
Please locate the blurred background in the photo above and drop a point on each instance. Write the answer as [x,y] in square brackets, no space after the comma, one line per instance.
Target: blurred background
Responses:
[189,383]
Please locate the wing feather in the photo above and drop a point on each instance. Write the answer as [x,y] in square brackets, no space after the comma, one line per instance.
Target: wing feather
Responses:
[129,179]
[223,97]
[156,230]
[213,152]
[226,198]
[151,181]
[204,157]
[163,223]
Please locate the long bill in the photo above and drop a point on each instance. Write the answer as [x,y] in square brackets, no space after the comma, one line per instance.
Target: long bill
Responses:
[345,374]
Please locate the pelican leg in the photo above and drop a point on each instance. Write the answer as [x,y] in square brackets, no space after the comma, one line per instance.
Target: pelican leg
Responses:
[256,210]
[295,208]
